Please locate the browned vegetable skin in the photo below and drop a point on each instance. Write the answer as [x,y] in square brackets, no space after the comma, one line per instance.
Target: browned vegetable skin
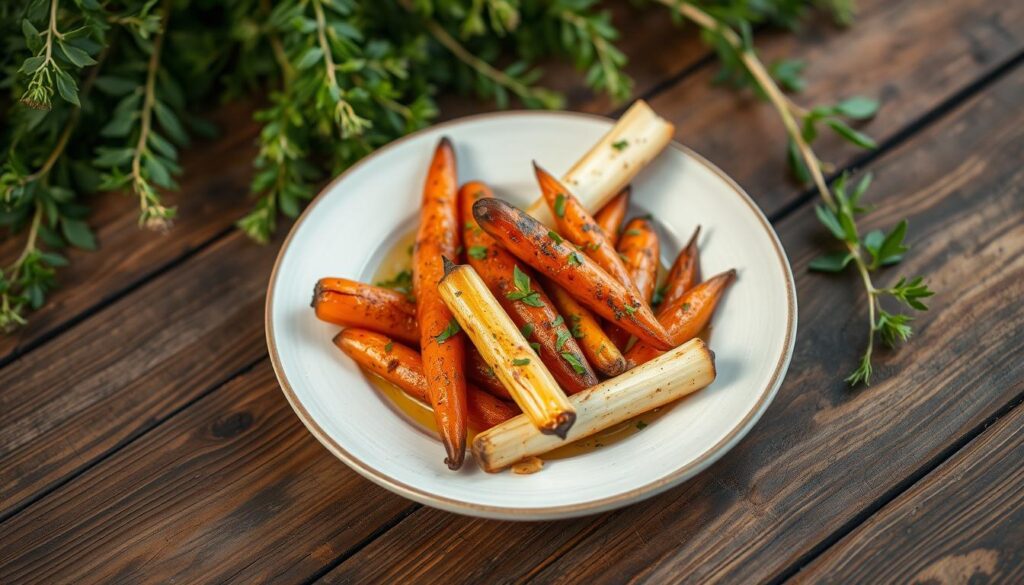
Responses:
[442,345]
[483,375]
[354,304]
[586,328]
[611,216]
[532,243]
[640,252]
[531,309]
[685,272]
[576,224]
[686,317]
[403,367]
[503,346]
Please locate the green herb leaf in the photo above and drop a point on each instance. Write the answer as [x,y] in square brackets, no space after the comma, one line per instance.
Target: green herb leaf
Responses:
[561,339]
[857,107]
[527,330]
[478,252]
[535,346]
[574,259]
[450,331]
[389,346]
[560,205]
[558,321]
[521,361]
[554,236]
[831,262]
[574,362]
[620,145]
[851,135]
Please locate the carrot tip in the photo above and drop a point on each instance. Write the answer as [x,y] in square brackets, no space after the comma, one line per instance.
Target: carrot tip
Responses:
[337,339]
[445,142]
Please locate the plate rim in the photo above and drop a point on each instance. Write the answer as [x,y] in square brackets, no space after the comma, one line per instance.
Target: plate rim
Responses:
[631,496]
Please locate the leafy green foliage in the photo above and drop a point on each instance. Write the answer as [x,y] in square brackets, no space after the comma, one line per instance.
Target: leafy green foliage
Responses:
[883,249]
[523,291]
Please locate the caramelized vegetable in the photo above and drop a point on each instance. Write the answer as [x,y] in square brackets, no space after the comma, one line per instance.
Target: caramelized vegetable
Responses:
[685,272]
[573,222]
[610,216]
[585,327]
[503,346]
[635,140]
[640,253]
[679,372]
[442,345]
[403,367]
[523,299]
[587,282]
[354,304]
[686,317]
[483,375]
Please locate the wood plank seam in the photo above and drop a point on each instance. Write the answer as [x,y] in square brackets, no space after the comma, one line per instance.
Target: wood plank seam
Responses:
[128,441]
[916,477]
[907,132]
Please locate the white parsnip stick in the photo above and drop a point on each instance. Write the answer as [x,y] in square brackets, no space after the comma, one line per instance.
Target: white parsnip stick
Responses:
[605,170]
[503,347]
[683,370]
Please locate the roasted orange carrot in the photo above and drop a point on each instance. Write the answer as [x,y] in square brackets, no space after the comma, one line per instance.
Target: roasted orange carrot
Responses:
[442,343]
[354,304]
[482,374]
[577,225]
[686,317]
[640,253]
[403,367]
[523,299]
[610,216]
[585,327]
[531,242]
[685,272]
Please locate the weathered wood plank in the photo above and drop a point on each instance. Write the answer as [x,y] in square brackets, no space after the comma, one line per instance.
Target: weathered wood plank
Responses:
[822,452]
[912,56]
[129,365]
[215,190]
[962,523]
[232,489]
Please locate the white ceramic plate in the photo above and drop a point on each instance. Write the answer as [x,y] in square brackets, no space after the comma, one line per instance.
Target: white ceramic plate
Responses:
[346,230]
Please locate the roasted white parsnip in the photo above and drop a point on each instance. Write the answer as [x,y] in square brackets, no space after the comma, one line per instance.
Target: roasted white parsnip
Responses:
[675,374]
[505,349]
[631,144]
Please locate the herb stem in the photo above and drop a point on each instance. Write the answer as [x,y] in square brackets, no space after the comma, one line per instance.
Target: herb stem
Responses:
[153,213]
[479,65]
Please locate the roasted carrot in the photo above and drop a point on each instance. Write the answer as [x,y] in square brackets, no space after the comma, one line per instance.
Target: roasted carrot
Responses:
[354,304]
[403,367]
[640,253]
[579,227]
[531,242]
[523,299]
[481,374]
[686,317]
[610,216]
[600,350]
[685,272]
[442,344]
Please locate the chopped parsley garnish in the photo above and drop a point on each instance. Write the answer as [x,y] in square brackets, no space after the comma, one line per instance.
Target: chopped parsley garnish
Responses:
[450,331]
[630,309]
[620,145]
[558,321]
[574,259]
[633,232]
[554,236]
[535,346]
[523,292]
[527,329]
[563,337]
[401,282]
[577,365]
[576,329]
[560,205]
[478,252]
[641,425]
[521,361]
[389,346]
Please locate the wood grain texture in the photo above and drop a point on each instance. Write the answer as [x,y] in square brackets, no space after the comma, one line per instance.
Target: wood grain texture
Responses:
[215,187]
[822,452]
[964,522]
[232,489]
[214,193]
[129,365]
[911,56]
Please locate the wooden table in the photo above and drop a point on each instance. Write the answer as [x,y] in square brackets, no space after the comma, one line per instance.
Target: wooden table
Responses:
[143,437]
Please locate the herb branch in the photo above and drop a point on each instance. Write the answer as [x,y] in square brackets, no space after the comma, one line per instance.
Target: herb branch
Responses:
[839,209]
